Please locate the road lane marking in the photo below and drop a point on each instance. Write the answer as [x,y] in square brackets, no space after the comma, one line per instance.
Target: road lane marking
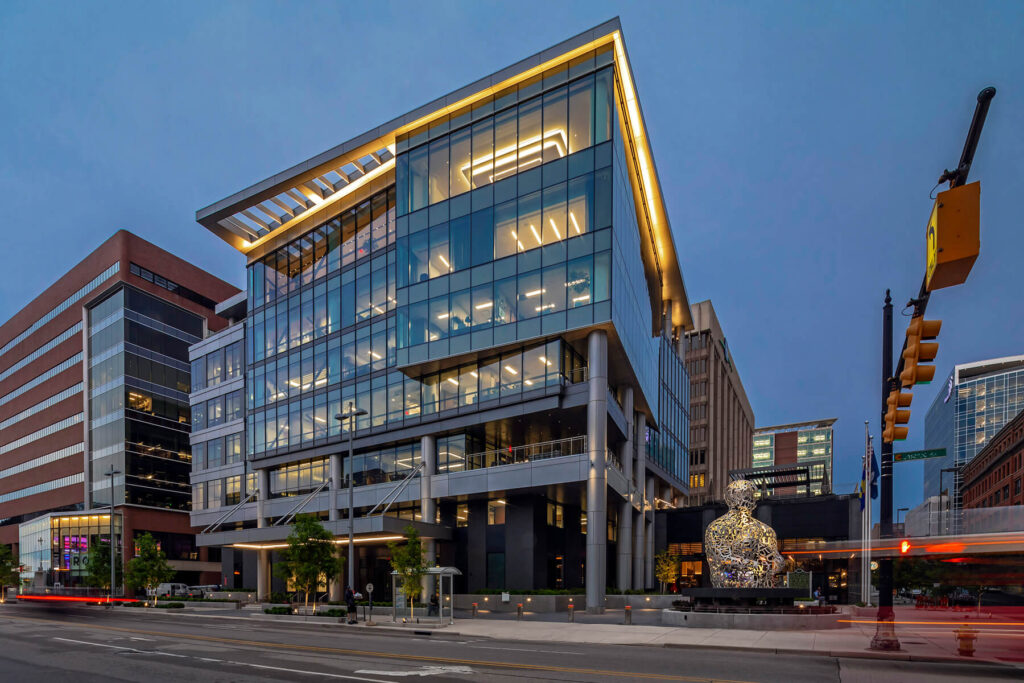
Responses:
[524,649]
[394,655]
[86,642]
[422,671]
[311,673]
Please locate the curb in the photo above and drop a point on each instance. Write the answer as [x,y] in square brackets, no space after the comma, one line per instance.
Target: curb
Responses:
[900,656]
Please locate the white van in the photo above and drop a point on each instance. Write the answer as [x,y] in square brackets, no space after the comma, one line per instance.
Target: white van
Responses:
[167,590]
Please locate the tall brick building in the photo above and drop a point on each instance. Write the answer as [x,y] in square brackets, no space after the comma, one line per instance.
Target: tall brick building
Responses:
[94,376]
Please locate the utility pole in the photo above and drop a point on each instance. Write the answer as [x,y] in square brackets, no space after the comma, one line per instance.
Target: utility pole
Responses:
[894,379]
[885,633]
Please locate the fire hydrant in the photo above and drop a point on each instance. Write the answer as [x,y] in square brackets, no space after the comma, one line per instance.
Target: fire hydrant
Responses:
[965,637]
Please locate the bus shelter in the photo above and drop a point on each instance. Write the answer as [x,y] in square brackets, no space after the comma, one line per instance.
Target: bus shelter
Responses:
[445,600]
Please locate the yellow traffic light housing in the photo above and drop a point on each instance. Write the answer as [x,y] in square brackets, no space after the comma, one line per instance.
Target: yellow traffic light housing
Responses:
[894,416]
[952,236]
[918,352]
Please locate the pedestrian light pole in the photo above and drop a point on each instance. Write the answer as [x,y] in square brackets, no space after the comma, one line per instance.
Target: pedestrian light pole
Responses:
[113,565]
[352,413]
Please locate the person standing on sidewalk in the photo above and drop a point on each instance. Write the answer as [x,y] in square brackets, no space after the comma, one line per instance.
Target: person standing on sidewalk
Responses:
[350,603]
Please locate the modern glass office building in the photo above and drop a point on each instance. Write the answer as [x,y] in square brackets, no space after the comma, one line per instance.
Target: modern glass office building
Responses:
[493,281]
[976,401]
[805,444]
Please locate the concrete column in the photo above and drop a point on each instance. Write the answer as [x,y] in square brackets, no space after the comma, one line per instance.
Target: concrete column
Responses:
[681,343]
[649,537]
[624,573]
[335,486]
[263,575]
[428,507]
[263,556]
[639,477]
[597,479]
[262,494]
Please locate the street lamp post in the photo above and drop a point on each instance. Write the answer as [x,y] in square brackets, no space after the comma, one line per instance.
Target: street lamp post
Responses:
[110,473]
[352,413]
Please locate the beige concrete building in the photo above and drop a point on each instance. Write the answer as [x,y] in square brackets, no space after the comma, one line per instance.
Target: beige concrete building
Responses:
[721,420]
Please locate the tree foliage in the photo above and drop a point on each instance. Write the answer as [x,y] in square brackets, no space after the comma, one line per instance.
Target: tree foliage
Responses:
[98,564]
[407,560]
[666,568]
[9,565]
[310,557]
[149,568]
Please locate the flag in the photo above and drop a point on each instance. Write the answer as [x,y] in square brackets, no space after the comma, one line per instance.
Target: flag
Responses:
[874,474]
[860,490]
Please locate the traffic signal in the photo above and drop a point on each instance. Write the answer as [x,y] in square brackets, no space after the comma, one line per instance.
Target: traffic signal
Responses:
[904,547]
[894,416]
[918,351]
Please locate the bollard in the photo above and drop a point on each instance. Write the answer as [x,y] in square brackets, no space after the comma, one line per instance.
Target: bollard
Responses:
[519,611]
[572,613]
[627,617]
[475,605]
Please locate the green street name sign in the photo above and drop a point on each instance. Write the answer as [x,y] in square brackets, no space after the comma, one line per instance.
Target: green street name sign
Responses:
[919,455]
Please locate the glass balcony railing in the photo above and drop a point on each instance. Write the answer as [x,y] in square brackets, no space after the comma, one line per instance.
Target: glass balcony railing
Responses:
[576,445]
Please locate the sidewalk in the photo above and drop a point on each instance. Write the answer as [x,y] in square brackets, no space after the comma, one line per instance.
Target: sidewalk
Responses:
[923,636]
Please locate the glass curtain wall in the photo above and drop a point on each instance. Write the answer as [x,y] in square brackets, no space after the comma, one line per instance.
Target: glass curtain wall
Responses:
[139,380]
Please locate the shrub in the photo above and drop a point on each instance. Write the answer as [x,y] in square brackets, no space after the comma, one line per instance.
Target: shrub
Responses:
[334,612]
[279,597]
[277,610]
[170,605]
[137,603]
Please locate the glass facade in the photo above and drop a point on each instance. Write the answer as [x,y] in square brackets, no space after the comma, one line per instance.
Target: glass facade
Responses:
[965,416]
[59,545]
[669,446]
[139,380]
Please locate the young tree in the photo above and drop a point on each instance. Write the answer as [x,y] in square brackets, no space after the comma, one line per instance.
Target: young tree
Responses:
[149,568]
[9,566]
[310,556]
[666,568]
[407,560]
[98,563]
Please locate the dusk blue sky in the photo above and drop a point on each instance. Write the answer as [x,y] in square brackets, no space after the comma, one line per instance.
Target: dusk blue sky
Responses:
[796,144]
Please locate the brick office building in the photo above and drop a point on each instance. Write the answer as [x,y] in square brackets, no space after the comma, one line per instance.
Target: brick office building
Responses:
[94,374]
[721,419]
[996,475]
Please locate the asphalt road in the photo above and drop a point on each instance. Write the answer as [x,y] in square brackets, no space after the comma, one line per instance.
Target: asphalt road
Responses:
[92,644]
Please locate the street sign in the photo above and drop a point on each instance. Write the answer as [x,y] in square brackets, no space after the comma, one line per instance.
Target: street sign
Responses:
[919,455]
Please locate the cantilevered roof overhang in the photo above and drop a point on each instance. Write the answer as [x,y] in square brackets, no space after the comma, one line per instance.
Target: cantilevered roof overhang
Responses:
[260,213]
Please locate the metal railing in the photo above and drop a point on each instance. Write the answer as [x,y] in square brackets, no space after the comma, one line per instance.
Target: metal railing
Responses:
[575,445]
[613,460]
[578,375]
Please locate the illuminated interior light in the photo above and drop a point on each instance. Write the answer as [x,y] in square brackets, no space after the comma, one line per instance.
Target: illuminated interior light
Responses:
[376,356]
[528,382]
[473,372]
[444,261]
[584,297]
[453,381]
[545,307]
[500,501]
[443,316]
[511,370]
[539,240]
[575,224]
[545,361]
[555,228]
[293,382]
[486,304]
[528,152]
[533,293]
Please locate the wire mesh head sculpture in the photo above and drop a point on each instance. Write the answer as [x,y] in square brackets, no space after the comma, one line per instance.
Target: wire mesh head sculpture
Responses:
[742,552]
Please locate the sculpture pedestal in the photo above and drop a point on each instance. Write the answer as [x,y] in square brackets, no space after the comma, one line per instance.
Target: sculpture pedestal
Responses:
[742,597]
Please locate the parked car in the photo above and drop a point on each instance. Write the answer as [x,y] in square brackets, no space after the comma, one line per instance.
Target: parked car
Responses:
[169,590]
[195,592]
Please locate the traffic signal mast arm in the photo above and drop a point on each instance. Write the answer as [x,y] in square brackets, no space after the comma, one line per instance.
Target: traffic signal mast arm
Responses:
[908,371]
